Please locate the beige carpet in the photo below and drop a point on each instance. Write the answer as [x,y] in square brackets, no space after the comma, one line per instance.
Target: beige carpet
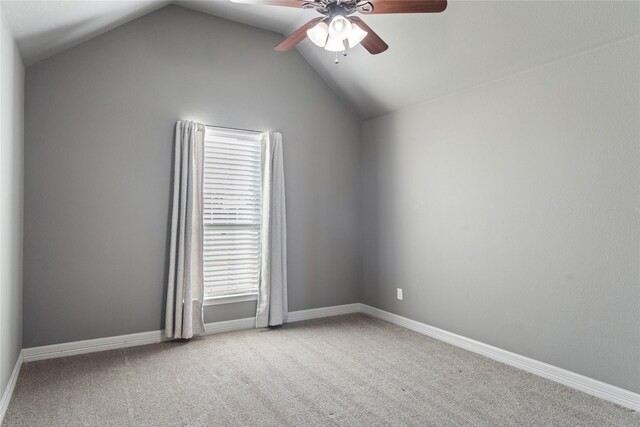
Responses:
[348,370]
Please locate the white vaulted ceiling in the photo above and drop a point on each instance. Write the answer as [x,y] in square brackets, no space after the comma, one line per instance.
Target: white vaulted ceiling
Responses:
[430,56]
[43,28]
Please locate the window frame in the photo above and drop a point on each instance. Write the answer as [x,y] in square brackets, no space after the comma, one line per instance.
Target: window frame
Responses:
[238,297]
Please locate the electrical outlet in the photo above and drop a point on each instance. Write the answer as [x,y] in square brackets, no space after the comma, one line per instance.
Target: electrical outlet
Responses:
[400,293]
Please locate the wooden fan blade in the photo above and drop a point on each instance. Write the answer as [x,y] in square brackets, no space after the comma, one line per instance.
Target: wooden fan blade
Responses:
[406,6]
[287,3]
[372,42]
[297,36]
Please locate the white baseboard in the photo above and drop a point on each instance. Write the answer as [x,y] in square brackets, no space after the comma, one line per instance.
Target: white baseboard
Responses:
[142,338]
[89,346]
[587,385]
[315,313]
[8,391]
[122,341]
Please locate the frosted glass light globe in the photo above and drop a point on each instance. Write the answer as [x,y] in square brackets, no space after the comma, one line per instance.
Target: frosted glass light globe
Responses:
[356,36]
[339,28]
[319,34]
[334,45]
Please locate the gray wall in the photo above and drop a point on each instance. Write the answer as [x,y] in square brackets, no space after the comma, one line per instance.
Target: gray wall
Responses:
[509,213]
[11,202]
[98,143]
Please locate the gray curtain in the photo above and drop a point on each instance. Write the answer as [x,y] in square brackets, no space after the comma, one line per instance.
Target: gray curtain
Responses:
[185,284]
[272,292]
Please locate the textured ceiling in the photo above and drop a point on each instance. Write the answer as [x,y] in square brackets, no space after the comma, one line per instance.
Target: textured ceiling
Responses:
[430,56]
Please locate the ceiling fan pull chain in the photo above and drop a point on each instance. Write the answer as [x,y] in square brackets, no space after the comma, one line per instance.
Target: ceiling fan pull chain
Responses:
[337,61]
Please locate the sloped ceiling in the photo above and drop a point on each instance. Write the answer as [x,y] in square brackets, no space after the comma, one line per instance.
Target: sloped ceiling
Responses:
[43,28]
[430,56]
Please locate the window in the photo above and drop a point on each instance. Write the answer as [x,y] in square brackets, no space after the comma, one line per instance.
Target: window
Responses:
[231,212]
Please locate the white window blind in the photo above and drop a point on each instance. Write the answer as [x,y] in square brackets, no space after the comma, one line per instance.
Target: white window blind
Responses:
[232,211]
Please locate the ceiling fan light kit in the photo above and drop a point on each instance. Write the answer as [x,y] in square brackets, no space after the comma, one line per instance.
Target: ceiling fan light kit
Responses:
[332,39]
[339,25]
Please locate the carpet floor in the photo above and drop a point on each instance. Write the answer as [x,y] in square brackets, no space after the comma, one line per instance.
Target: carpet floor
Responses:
[348,370]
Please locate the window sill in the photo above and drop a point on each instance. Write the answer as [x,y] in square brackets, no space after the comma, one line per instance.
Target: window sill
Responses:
[230,299]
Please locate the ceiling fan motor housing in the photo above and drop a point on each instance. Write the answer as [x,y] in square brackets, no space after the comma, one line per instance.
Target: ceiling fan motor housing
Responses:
[339,7]
[335,9]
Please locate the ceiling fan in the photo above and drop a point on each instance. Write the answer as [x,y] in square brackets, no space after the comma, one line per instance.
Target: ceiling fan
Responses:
[338,29]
